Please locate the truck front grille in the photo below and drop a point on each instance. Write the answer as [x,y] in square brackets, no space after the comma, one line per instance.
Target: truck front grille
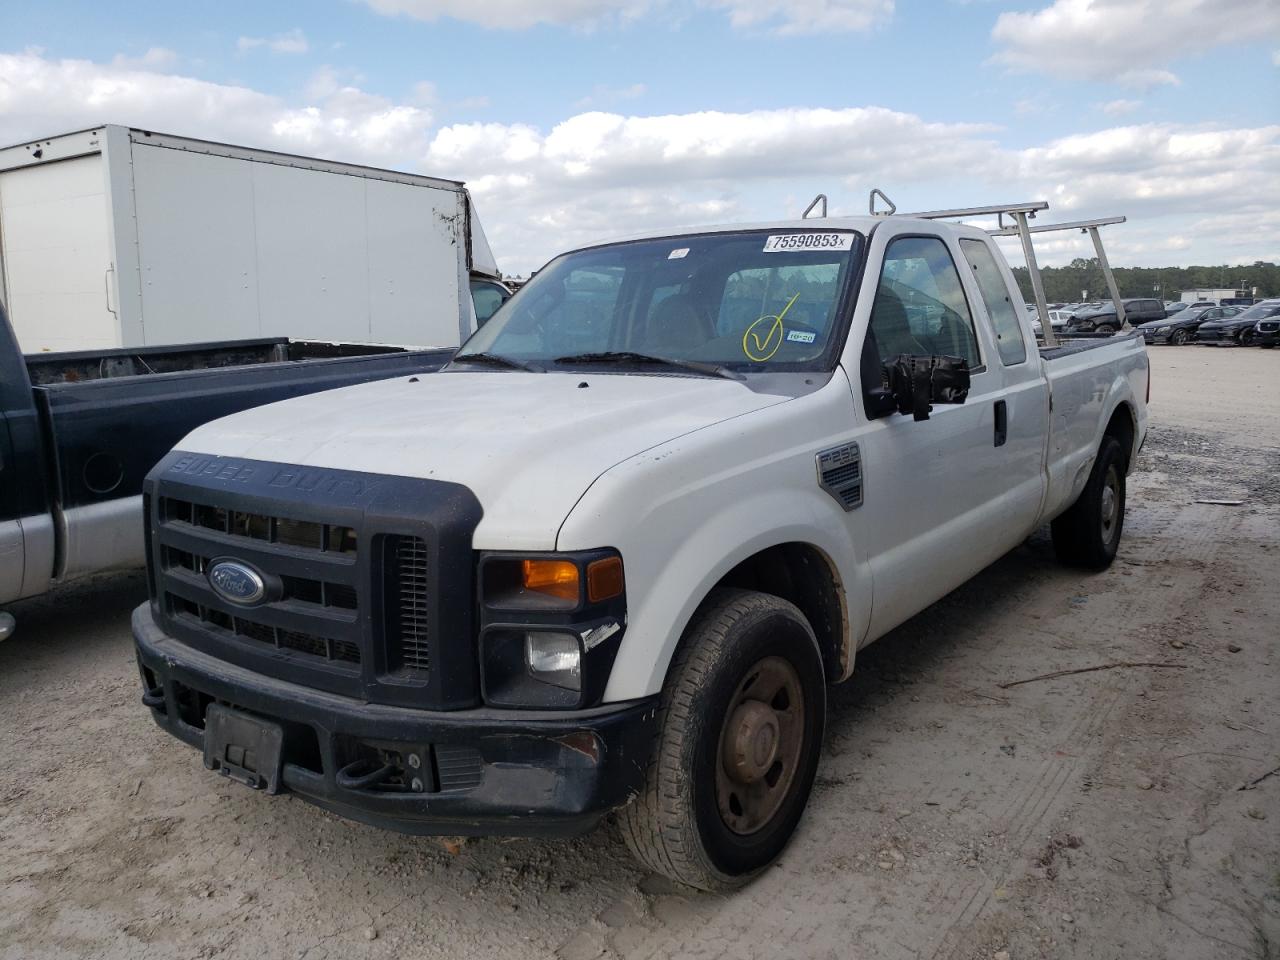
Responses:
[309,628]
[358,584]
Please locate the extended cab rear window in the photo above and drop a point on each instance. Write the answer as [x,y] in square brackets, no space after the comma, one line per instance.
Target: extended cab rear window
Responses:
[995,295]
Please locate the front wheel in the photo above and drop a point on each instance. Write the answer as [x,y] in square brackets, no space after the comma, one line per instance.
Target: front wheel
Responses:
[1088,534]
[1178,338]
[740,730]
[1104,328]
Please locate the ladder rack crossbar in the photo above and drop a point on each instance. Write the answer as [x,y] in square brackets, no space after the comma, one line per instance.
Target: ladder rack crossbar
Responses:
[994,210]
[1051,227]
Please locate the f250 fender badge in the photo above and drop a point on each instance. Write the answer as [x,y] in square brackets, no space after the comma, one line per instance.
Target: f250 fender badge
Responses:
[236,582]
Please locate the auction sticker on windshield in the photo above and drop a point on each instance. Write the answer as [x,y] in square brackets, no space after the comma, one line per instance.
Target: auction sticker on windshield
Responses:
[785,242]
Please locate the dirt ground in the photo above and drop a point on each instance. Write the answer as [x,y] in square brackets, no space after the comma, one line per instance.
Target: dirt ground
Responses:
[1118,813]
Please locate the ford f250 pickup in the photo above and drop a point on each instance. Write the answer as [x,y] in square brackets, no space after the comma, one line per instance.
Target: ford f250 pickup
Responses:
[612,555]
[80,430]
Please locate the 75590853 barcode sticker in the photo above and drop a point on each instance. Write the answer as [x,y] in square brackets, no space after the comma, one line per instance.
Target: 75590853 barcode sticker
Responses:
[784,242]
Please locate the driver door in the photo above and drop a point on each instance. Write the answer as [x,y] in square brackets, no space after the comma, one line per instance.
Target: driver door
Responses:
[931,488]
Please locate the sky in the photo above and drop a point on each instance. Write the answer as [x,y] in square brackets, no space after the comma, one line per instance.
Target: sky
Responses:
[577,120]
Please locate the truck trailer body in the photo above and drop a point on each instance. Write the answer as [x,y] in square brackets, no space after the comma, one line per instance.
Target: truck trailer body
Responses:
[118,237]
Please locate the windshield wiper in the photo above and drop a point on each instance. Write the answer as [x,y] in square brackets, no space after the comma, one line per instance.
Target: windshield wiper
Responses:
[630,356]
[496,360]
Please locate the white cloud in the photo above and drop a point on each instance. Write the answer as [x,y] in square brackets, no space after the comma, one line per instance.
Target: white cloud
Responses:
[783,16]
[807,16]
[1128,41]
[292,42]
[600,174]
[1119,108]
[40,96]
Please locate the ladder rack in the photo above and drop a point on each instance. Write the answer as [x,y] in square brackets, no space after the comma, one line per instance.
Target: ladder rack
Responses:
[1020,213]
[1090,227]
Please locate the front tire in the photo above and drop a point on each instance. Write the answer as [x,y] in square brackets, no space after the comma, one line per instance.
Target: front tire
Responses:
[740,732]
[1104,328]
[1178,338]
[1088,534]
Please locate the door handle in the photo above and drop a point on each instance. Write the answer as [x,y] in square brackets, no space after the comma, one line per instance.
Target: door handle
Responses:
[1002,423]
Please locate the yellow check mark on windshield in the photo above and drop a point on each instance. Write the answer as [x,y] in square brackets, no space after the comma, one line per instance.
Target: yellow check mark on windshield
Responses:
[759,354]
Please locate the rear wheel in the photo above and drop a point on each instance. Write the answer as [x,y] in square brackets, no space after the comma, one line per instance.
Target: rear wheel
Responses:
[1246,338]
[1178,338]
[1088,534]
[740,729]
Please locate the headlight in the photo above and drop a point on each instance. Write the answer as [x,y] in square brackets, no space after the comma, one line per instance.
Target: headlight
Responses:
[550,627]
[1162,329]
[554,658]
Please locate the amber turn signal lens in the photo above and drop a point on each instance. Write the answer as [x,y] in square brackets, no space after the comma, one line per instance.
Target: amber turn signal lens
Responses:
[555,578]
[604,579]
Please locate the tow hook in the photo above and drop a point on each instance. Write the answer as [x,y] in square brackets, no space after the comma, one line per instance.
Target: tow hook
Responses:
[153,699]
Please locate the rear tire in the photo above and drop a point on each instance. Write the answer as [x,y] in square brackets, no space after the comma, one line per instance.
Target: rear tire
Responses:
[1246,338]
[730,773]
[1088,534]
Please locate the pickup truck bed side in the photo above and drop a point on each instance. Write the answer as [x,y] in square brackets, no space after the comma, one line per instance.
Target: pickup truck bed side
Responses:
[82,440]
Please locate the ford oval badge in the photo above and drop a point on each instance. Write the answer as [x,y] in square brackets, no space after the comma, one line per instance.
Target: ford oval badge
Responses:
[236,582]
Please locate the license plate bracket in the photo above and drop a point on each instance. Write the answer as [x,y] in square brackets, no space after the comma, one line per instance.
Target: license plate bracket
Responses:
[243,747]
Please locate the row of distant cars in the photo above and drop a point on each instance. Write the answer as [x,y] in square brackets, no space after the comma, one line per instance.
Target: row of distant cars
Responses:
[1206,321]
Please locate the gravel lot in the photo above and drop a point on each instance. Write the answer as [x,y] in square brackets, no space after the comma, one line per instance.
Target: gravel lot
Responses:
[1100,814]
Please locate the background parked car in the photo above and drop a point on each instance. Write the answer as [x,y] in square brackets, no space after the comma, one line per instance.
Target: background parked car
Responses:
[1174,306]
[1240,327]
[1268,330]
[1057,318]
[1102,319]
[1181,327]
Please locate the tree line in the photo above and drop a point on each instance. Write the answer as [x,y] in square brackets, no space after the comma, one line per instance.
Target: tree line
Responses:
[1164,283]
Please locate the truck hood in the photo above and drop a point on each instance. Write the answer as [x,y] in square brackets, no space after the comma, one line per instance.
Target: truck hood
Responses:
[528,445]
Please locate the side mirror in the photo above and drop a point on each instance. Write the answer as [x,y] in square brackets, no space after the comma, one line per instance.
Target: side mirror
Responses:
[918,382]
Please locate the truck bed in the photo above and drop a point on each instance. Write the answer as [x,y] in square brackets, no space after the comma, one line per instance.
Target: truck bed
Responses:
[1084,374]
[106,427]
[82,365]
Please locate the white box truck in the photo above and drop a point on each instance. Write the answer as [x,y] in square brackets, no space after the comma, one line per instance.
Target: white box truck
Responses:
[118,237]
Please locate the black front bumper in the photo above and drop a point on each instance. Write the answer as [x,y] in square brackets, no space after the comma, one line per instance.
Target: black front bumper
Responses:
[497,772]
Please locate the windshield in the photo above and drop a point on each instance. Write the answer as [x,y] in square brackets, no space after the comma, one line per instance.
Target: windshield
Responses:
[743,301]
[1260,311]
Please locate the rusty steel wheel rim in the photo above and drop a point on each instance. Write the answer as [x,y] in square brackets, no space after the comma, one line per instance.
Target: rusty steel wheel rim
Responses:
[760,744]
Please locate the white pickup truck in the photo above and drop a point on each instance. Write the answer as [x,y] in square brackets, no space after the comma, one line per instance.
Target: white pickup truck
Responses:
[612,555]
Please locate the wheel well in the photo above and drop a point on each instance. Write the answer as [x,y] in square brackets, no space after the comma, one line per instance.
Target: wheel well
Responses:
[802,574]
[1120,426]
